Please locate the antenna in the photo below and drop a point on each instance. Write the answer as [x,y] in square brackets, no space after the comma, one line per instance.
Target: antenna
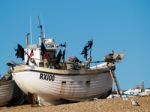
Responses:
[31,28]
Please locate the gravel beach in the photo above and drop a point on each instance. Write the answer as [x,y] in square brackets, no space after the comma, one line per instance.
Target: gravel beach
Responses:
[100,105]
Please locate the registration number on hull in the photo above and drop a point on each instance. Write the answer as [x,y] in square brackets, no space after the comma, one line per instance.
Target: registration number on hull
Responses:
[48,77]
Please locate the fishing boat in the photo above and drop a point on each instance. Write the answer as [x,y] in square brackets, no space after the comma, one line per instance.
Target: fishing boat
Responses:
[6,92]
[10,94]
[46,74]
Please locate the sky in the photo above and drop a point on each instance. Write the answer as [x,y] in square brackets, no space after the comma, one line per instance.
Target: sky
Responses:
[119,25]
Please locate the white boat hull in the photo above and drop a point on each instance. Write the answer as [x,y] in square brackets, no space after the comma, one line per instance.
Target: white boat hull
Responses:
[54,86]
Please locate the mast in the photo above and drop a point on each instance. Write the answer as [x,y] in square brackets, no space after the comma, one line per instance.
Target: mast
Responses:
[27,39]
[31,29]
[41,37]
